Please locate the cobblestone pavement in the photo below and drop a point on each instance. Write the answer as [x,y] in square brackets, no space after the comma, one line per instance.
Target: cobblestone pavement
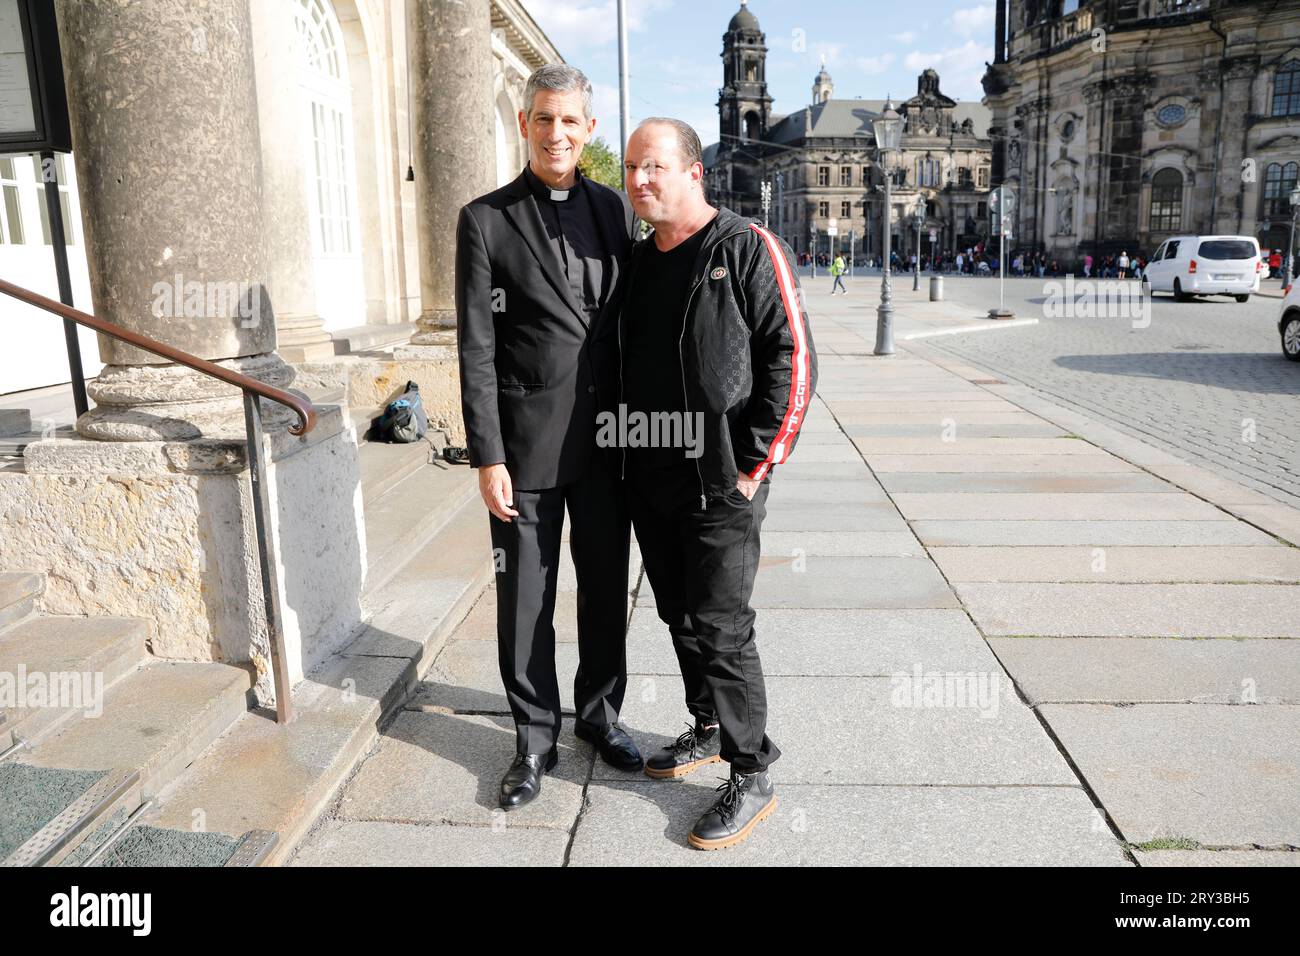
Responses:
[1205,380]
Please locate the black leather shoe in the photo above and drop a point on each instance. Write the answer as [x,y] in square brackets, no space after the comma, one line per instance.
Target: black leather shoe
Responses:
[615,746]
[745,800]
[698,746]
[523,781]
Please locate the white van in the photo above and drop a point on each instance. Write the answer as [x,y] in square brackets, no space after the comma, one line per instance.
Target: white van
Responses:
[1205,265]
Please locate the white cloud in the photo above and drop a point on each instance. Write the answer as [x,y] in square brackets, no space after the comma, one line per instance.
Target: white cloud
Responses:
[873,65]
[907,36]
[578,25]
[959,68]
[974,21]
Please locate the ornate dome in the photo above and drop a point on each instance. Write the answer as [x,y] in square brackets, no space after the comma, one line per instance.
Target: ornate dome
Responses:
[743,20]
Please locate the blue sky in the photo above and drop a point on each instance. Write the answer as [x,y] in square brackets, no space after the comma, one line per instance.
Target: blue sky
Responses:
[872,48]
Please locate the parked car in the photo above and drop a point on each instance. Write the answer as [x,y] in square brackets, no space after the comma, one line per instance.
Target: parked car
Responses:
[1288,326]
[1205,265]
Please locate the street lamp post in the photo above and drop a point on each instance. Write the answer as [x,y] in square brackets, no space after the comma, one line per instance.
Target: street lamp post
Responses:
[1289,260]
[766,191]
[888,127]
[918,220]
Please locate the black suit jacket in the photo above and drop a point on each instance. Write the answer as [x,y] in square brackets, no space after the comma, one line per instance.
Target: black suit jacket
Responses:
[533,370]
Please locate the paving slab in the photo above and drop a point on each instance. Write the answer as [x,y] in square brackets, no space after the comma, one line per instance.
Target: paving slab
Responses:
[953,429]
[843,543]
[855,730]
[936,445]
[825,493]
[1222,776]
[446,768]
[1190,563]
[968,462]
[1152,670]
[1059,482]
[353,843]
[865,581]
[466,678]
[1134,610]
[636,823]
[813,642]
[814,516]
[1090,533]
[1015,506]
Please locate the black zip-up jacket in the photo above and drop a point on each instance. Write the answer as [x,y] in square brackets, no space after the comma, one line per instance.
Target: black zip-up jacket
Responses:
[747,356]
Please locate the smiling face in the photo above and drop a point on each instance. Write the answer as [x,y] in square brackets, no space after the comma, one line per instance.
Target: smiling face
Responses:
[556,131]
[661,187]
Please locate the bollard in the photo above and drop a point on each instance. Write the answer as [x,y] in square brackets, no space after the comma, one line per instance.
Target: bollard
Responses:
[936,288]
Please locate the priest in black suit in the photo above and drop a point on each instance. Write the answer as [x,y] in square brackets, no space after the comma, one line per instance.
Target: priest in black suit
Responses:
[538,263]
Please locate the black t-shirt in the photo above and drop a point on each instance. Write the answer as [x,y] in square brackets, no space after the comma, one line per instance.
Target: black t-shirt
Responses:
[652,328]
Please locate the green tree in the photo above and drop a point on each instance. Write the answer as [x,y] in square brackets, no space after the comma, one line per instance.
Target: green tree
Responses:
[601,163]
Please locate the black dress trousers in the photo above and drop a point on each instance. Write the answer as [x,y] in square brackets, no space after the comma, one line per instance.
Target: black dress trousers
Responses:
[526,552]
[701,564]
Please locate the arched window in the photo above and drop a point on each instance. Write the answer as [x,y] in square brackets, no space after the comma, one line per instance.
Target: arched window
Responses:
[1286,89]
[752,131]
[318,44]
[1167,201]
[324,78]
[1279,180]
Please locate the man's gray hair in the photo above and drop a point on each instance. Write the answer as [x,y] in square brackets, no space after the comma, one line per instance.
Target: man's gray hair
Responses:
[688,141]
[560,78]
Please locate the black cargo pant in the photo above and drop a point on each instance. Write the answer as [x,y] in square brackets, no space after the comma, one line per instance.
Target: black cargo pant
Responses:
[701,564]
[527,555]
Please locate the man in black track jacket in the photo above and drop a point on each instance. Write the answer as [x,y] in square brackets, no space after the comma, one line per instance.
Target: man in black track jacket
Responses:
[717,374]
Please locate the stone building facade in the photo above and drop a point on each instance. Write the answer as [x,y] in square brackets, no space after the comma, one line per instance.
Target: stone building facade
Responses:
[1122,122]
[330,101]
[263,148]
[822,163]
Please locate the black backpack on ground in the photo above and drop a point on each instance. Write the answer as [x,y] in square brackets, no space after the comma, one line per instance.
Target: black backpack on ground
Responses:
[404,419]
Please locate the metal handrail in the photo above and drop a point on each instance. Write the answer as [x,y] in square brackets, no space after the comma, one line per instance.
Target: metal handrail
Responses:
[252,389]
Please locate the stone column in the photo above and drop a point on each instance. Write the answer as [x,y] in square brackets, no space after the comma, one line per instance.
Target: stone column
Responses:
[450,45]
[286,214]
[164,121]
[1239,75]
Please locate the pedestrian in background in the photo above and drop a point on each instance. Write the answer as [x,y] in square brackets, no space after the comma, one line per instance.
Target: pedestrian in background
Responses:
[837,271]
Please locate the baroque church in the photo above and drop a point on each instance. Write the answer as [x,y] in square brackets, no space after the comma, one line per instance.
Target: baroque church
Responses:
[1122,122]
[823,167]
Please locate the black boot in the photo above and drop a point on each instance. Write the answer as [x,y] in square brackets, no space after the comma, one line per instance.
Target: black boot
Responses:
[745,800]
[523,781]
[700,745]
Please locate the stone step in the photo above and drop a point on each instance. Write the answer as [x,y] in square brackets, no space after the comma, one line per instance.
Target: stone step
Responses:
[50,650]
[14,444]
[275,778]
[154,722]
[15,421]
[369,338]
[409,513]
[20,594]
[384,465]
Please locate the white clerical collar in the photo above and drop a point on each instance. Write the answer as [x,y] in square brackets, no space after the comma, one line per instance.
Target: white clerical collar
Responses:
[560,195]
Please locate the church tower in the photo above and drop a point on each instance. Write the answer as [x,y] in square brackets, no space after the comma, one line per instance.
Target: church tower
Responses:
[744,106]
[822,85]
